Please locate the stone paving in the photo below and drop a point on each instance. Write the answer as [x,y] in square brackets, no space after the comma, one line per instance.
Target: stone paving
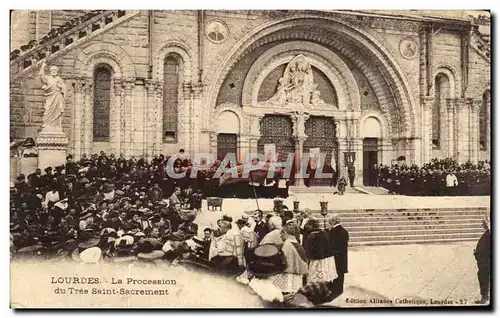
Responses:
[432,274]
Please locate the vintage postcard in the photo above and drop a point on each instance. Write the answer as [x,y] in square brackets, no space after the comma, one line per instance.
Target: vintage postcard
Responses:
[250,158]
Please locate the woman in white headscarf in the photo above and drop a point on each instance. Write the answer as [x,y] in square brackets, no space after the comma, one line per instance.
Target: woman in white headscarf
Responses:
[274,236]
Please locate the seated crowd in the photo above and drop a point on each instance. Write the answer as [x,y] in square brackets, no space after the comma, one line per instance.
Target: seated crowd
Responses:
[437,178]
[111,209]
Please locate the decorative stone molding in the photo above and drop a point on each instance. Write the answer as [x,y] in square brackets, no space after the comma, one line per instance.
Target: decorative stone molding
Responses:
[383,123]
[476,104]
[104,53]
[238,111]
[128,84]
[187,89]
[383,24]
[453,76]
[325,60]
[340,33]
[408,48]
[176,47]
[150,87]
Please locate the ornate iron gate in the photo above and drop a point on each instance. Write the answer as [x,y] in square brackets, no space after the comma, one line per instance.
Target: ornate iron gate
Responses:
[226,143]
[320,133]
[278,130]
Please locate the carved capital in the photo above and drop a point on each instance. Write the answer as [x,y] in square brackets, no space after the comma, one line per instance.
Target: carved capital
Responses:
[450,104]
[128,84]
[150,86]
[427,102]
[159,88]
[476,103]
[79,83]
[198,89]
[87,84]
[118,85]
[187,88]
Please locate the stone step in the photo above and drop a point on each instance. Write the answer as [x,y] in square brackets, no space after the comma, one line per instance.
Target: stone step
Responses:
[410,237]
[409,232]
[298,189]
[363,214]
[421,220]
[413,241]
[333,209]
[443,222]
[352,227]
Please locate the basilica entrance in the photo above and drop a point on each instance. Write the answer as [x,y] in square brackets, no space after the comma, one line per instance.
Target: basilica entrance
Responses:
[277,130]
[320,131]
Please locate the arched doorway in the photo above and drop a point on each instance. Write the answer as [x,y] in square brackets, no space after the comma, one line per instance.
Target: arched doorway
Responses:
[371,141]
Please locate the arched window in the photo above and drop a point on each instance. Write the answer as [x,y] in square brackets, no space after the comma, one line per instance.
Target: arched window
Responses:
[441,93]
[171,74]
[484,122]
[102,99]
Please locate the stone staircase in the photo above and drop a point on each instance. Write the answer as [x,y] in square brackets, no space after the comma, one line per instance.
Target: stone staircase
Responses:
[410,226]
[28,59]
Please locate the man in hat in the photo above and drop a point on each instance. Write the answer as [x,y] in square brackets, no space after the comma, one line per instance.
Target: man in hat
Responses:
[203,249]
[47,177]
[155,193]
[261,227]
[35,179]
[86,221]
[338,240]
[174,198]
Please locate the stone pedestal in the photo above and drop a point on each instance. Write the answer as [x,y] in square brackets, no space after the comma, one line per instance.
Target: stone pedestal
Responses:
[51,148]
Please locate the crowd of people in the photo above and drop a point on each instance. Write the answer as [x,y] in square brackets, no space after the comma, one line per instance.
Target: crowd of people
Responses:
[55,32]
[104,208]
[437,178]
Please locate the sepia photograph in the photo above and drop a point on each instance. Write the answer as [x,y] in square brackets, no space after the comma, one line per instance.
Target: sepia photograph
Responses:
[249,159]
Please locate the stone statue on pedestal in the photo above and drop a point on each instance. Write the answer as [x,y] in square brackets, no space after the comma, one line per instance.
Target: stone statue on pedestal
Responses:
[51,140]
[55,94]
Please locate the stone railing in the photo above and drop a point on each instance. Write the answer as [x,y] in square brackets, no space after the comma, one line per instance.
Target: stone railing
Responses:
[481,42]
[77,34]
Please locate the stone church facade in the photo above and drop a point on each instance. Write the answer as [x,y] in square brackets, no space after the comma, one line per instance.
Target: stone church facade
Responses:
[367,87]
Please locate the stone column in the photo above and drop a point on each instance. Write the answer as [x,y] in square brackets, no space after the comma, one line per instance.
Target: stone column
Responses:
[450,103]
[128,124]
[475,104]
[197,110]
[79,87]
[488,125]
[158,120]
[213,144]
[427,103]
[150,117]
[88,116]
[299,151]
[184,109]
[299,129]
[116,119]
